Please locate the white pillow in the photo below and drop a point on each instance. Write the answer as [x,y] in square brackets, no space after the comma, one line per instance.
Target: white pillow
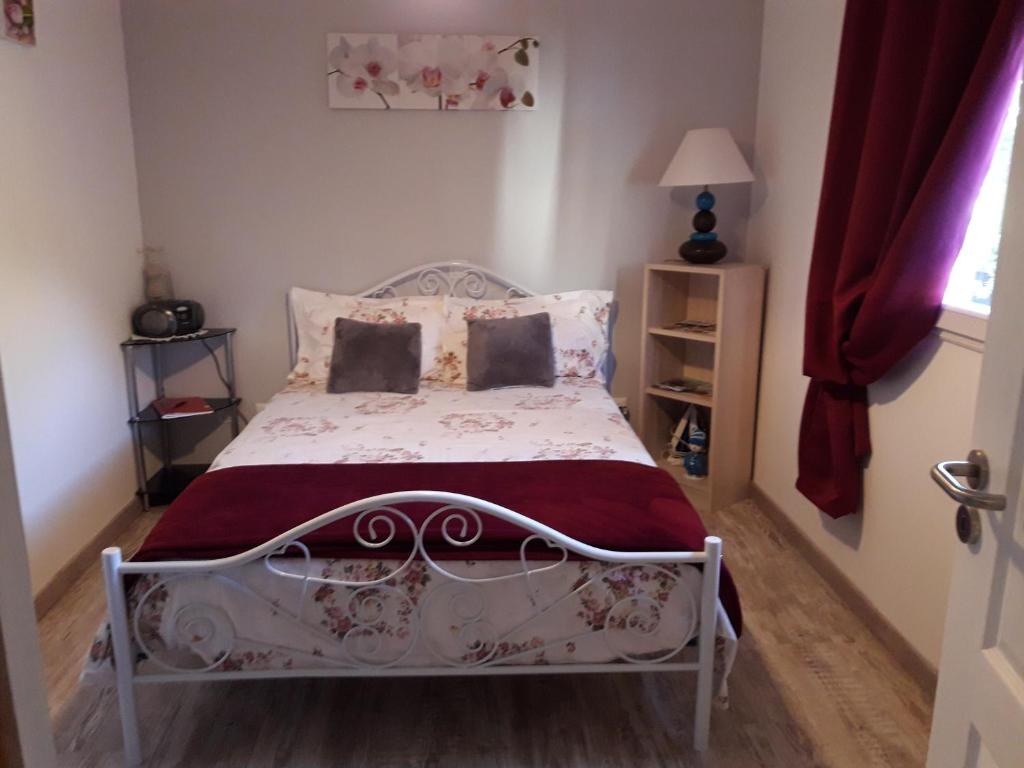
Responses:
[579,329]
[315,313]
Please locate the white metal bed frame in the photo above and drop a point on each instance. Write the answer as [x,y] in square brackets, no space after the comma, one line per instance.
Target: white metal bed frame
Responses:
[375,523]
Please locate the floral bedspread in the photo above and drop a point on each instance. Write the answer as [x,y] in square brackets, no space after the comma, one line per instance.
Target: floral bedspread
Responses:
[575,419]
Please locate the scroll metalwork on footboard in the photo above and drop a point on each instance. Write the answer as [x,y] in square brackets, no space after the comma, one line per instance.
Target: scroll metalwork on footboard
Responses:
[425,607]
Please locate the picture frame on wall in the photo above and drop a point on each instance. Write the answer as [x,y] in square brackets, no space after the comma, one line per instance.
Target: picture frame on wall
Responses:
[19,21]
[439,72]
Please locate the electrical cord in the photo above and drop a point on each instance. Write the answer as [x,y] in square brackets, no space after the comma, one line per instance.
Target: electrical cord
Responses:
[220,375]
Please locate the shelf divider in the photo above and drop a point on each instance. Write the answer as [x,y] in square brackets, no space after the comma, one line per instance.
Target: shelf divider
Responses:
[672,333]
[683,397]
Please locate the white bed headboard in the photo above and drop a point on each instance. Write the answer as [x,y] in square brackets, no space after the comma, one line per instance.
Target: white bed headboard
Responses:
[449,278]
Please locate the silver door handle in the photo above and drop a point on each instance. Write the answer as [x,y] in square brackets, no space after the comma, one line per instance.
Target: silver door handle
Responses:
[975,470]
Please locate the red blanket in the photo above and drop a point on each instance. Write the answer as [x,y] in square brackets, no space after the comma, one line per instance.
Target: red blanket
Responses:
[616,505]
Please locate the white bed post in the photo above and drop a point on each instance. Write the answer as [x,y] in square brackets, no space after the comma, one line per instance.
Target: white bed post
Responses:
[123,661]
[706,643]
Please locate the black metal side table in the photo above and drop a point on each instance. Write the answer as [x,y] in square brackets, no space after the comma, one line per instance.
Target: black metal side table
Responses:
[172,479]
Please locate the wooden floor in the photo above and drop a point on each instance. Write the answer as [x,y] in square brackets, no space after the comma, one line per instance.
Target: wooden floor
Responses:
[811,687]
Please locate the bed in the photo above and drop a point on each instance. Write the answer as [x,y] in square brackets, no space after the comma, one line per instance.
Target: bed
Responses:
[510,531]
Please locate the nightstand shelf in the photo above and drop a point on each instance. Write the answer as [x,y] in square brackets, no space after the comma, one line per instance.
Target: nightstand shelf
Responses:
[165,486]
[730,296]
[205,333]
[171,479]
[217,404]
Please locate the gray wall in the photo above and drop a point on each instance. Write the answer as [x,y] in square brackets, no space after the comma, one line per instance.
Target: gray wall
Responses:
[251,184]
[70,274]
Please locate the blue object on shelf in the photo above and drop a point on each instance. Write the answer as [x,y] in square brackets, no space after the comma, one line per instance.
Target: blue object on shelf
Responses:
[696,464]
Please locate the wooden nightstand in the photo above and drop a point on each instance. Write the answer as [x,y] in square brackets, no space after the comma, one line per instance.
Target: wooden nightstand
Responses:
[732,297]
[172,479]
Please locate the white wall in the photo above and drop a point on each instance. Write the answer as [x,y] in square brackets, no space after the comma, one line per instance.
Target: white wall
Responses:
[251,184]
[69,273]
[898,551]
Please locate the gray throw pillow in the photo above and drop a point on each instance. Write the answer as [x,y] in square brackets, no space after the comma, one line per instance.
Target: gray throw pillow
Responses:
[375,357]
[510,352]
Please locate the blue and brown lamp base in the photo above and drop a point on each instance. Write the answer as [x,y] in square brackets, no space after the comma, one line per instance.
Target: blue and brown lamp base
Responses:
[703,247]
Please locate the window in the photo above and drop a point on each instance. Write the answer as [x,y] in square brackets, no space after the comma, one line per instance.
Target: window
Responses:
[970,283]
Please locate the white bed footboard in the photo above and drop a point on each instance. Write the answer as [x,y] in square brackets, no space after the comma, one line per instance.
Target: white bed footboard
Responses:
[388,624]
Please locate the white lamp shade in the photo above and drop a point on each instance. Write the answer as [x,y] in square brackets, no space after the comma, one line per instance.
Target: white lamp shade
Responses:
[706,156]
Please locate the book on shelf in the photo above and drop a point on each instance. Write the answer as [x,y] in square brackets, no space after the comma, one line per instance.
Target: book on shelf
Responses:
[685,384]
[181,407]
[693,326]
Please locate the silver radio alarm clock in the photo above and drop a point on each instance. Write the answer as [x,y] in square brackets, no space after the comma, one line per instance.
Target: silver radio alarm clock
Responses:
[168,317]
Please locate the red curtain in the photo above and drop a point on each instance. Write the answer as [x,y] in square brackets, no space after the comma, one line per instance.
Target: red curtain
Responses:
[921,93]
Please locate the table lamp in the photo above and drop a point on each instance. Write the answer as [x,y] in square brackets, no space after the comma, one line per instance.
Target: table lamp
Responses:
[705,156]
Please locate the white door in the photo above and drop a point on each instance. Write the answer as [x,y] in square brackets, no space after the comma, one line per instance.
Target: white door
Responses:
[979,709]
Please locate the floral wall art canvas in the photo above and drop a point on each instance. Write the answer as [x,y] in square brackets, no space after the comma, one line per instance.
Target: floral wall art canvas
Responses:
[445,72]
[19,21]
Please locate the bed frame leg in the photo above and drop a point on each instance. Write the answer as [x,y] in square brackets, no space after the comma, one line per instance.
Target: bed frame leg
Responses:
[706,641]
[123,661]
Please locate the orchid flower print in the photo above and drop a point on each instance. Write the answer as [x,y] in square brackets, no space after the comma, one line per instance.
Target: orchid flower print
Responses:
[444,72]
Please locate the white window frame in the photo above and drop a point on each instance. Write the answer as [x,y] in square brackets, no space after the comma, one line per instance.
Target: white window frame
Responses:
[962,326]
